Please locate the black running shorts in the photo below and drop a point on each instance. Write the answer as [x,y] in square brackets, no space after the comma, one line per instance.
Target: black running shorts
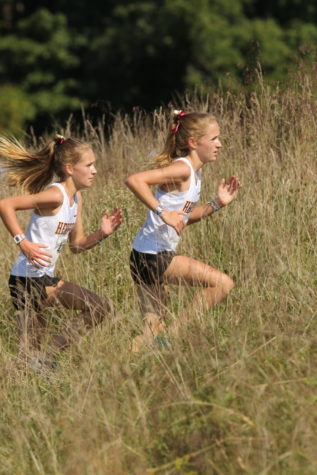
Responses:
[30,290]
[149,268]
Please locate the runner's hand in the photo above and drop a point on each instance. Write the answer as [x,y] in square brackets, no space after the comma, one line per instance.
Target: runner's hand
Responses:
[227,191]
[109,223]
[175,219]
[34,253]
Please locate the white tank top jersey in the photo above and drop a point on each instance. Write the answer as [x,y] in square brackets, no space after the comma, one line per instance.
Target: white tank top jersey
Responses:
[50,230]
[156,236]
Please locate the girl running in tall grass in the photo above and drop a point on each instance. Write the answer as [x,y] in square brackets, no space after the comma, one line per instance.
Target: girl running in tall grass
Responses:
[56,217]
[192,142]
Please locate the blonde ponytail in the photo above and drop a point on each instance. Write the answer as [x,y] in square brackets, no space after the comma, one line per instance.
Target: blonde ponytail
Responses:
[34,170]
[31,171]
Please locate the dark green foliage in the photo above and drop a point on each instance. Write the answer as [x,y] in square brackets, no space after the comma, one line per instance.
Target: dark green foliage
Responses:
[121,54]
[37,58]
[16,108]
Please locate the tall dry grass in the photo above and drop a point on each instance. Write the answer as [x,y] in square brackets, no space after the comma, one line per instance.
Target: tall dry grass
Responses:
[237,391]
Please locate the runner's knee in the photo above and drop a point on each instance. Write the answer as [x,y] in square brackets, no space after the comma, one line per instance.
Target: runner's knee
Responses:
[97,309]
[100,311]
[226,284]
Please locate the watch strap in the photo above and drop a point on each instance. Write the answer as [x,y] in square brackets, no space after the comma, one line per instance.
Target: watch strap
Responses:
[215,206]
[158,210]
[18,238]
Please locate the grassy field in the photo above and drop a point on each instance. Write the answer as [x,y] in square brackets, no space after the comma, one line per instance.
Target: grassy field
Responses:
[236,394]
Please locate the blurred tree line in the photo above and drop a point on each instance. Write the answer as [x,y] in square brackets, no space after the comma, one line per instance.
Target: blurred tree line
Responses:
[56,57]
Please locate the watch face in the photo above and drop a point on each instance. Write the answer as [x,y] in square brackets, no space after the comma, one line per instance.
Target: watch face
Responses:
[17,239]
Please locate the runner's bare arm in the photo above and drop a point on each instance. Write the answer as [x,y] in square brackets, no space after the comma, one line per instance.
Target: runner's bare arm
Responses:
[42,202]
[79,242]
[227,192]
[140,185]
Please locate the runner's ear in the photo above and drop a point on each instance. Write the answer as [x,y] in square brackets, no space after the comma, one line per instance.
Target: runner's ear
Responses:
[192,143]
[68,167]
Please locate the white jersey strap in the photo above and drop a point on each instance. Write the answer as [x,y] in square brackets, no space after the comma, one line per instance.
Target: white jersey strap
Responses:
[62,188]
[193,174]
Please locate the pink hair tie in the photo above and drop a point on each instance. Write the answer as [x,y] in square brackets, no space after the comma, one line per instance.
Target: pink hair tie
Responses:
[59,139]
[179,115]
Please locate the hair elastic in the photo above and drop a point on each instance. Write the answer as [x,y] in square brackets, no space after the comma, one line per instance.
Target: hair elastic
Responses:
[179,115]
[59,139]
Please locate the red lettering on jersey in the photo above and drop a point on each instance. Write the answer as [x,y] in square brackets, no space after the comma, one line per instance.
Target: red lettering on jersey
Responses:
[64,228]
[188,206]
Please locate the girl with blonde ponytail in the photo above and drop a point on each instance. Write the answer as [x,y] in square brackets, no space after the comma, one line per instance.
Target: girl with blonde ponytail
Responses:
[192,142]
[56,218]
